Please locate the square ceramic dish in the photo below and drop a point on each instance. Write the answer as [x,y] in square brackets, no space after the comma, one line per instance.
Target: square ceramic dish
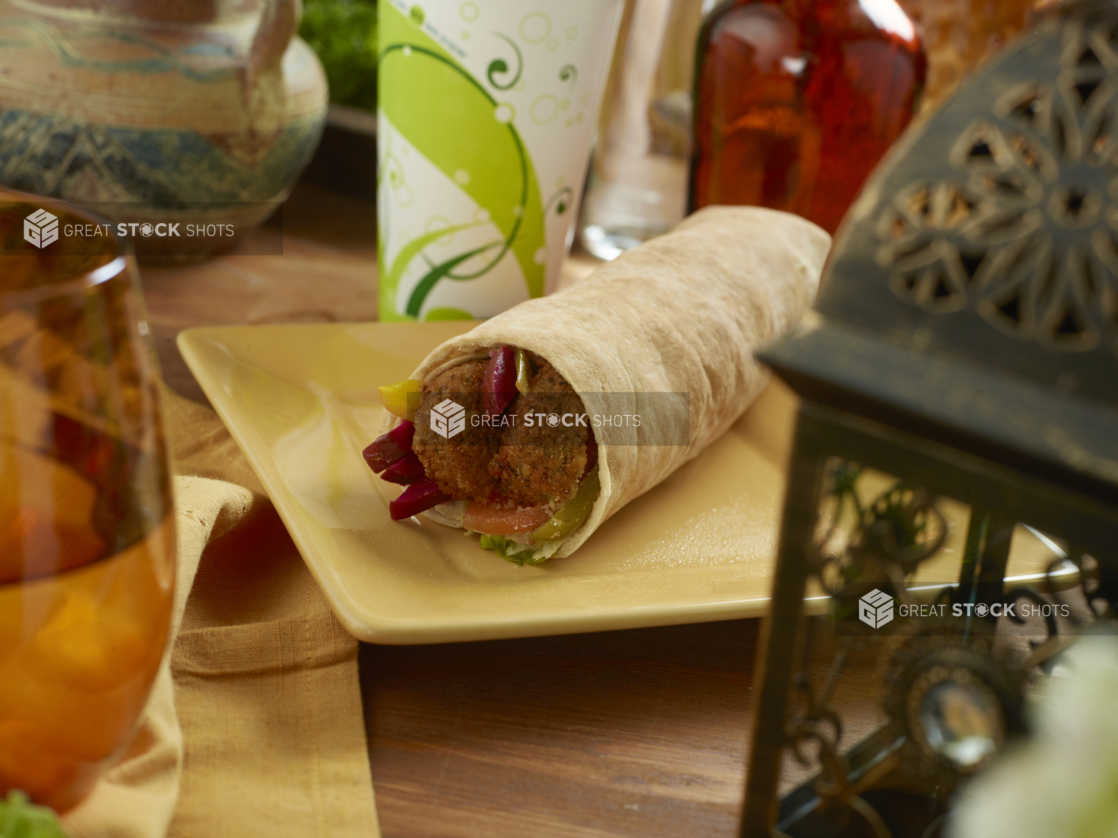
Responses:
[302,403]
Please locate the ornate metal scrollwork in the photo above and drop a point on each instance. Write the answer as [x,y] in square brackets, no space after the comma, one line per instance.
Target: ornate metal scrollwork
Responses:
[821,725]
[1044,608]
[952,692]
[887,540]
[1100,585]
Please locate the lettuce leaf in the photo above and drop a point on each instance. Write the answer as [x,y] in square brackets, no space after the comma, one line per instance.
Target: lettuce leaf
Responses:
[517,553]
[19,818]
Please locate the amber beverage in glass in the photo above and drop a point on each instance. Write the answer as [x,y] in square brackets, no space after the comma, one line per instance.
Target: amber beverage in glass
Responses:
[798,100]
[86,521]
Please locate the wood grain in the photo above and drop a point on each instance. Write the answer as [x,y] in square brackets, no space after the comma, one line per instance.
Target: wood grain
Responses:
[629,733]
[327,272]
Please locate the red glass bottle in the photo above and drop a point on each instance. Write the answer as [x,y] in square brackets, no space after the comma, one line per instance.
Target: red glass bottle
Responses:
[798,100]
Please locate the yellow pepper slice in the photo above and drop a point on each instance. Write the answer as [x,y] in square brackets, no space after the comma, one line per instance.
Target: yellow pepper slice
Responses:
[523,371]
[396,398]
[573,513]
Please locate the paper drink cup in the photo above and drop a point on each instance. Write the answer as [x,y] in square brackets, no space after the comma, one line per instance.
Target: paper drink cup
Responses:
[486,113]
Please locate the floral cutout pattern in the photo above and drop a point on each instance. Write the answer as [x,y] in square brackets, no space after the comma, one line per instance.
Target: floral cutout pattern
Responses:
[1027,234]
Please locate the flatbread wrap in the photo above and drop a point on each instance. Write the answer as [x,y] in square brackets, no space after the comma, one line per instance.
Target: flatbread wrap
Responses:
[665,333]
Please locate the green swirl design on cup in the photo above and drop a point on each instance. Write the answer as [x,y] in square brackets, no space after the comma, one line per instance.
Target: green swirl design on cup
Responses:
[499,65]
[561,200]
[479,149]
[569,72]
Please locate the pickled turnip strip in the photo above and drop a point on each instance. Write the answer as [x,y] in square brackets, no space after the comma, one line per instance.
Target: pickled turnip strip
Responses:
[418,497]
[406,470]
[499,384]
[387,448]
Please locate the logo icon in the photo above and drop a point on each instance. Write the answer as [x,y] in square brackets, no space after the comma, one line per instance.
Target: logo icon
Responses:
[40,228]
[448,419]
[875,609]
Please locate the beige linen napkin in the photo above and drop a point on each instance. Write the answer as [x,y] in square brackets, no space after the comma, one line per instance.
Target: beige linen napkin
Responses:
[255,725]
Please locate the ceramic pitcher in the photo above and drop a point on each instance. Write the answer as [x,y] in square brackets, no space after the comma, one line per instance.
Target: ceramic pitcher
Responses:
[158,110]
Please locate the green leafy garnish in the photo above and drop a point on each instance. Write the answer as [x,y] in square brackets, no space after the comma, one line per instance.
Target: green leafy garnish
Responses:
[344,34]
[20,818]
[515,552]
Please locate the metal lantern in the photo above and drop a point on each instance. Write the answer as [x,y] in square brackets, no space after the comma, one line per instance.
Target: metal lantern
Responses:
[958,381]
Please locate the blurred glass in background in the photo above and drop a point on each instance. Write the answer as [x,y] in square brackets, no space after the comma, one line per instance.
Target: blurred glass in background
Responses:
[638,179]
[87,523]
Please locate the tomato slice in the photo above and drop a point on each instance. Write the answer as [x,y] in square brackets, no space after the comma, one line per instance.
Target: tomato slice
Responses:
[493,521]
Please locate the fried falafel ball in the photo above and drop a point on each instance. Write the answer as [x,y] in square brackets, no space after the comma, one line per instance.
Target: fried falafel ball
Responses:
[459,464]
[542,464]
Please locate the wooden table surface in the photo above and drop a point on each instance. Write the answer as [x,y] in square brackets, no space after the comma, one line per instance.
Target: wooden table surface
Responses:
[636,733]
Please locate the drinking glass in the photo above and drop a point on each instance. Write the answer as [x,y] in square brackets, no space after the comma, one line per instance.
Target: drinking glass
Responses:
[87,535]
[637,188]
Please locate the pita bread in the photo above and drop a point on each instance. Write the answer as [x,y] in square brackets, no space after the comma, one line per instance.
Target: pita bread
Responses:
[682,313]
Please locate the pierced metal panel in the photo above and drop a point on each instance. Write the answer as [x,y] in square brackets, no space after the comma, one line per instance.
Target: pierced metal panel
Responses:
[1002,209]
[1026,232]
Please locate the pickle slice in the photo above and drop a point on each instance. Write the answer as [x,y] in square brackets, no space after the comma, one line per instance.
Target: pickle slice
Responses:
[573,513]
[523,371]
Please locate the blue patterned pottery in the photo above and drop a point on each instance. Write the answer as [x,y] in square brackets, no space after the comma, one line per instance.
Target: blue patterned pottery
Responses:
[197,111]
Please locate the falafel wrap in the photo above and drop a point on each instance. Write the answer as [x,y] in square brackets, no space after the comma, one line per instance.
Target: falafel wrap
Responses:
[665,334]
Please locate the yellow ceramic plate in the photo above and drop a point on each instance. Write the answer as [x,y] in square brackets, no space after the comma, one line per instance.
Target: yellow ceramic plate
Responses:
[302,403]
